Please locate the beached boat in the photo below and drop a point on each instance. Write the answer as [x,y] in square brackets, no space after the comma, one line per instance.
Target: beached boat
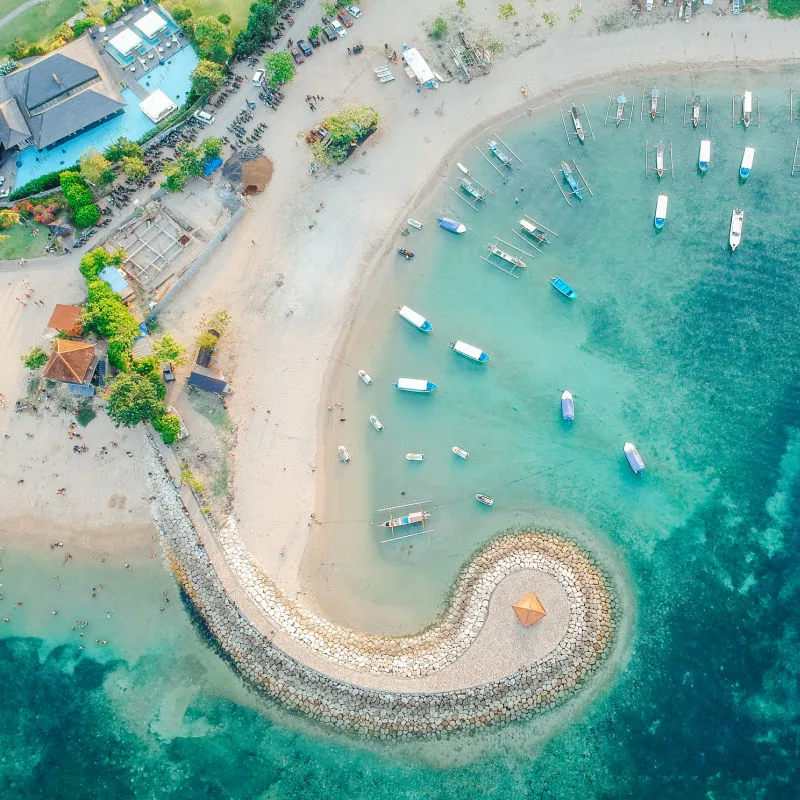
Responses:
[660,159]
[452,225]
[564,288]
[471,189]
[747,163]
[747,108]
[501,156]
[570,179]
[513,260]
[414,518]
[344,454]
[567,407]
[415,224]
[696,111]
[634,459]
[621,100]
[375,422]
[365,376]
[407,254]
[737,224]
[460,452]
[415,456]
[576,121]
[417,320]
[414,385]
[470,351]
[463,169]
[661,211]
[484,499]
[705,155]
[533,231]
[654,95]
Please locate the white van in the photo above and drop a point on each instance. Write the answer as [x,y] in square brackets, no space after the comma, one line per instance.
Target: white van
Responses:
[258,78]
[204,117]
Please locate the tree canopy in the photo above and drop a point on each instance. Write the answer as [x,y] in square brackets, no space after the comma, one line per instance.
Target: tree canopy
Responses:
[279,67]
[134,167]
[124,147]
[207,78]
[213,39]
[95,168]
[168,348]
[135,398]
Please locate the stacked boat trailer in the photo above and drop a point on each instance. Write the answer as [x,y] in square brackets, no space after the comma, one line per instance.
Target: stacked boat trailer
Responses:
[655,108]
[538,225]
[622,104]
[658,159]
[701,106]
[512,268]
[500,172]
[575,133]
[567,195]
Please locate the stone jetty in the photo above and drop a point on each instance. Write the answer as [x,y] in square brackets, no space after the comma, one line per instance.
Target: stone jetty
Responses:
[388,713]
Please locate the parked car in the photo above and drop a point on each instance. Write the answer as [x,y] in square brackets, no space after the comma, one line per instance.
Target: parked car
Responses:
[313,41]
[258,78]
[167,372]
[354,11]
[330,33]
[337,26]
[303,45]
[297,56]
[4,193]
[204,117]
[346,21]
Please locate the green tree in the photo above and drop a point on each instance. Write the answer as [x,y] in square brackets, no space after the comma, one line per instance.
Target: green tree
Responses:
[169,426]
[212,147]
[192,160]
[134,167]
[119,354]
[124,147]
[19,49]
[83,25]
[34,358]
[78,196]
[315,31]
[181,14]
[135,398]
[106,314]
[217,321]
[213,39]
[95,168]
[279,67]
[352,122]
[174,176]
[207,78]
[462,4]
[168,348]
[225,19]
[506,11]
[438,28]
[70,177]
[86,216]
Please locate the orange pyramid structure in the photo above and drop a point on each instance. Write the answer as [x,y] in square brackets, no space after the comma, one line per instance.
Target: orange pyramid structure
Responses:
[529,610]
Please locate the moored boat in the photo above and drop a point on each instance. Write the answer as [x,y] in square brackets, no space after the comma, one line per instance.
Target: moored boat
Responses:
[417,320]
[567,406]
[344,454]
[563,287]
[660,159]
[570,179]
[471,189]
[407,254]
[576,121]
[654,95]
[696,111]
[705,155]
[452,225]
[415,224]
[737,224]
[533,231]
[635,461]
[375,422]
[470,351]
[484,499]
[501,156]
[747,108]
[661,211]
[513,260]
[621,100]
[459,451]
[414,385]
[415,456]
[463,169]
[365,376]
[747,163]
[414,518]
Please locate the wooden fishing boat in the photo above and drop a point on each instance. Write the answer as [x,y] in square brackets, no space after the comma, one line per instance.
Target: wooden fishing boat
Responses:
[621,100]
[375,422]
[533,231]
[737,224]
[470,351]
[344,454]
[417,320]
[661,211]
[696,108]
[463,169]
[407,254]
[471,189]
[415,224]
[365,376]
[635,461]
[660,159]
[415,456]
[484,499]
[513,260]
[576,121]
[570,179]
[567,407]
[501,156]
[747,163]
[414,385]
[414,518]
[654,95]
[747,108]
[460,452]
[452,225]
[564,288]
[705,155]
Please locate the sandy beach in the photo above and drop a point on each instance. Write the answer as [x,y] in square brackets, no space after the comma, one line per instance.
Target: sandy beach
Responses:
[325,235]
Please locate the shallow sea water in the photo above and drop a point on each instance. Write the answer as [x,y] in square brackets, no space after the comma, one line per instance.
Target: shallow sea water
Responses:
[673,343]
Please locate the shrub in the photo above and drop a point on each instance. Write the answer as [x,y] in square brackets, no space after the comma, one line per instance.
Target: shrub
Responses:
[34,358]
[134,167]
[191,480]
[439,28]
[181,14]
[44,214]
[40,184]
[123,148]
[83,25]
[574,13]
[169,426]
[119,354]
[225,19]
[7,66]
[784,8]
[8,217]
[550,18]
[78,196]
[506,11]
[86,216]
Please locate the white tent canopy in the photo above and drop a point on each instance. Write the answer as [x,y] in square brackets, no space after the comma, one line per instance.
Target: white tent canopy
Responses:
[151,23]
[157,106]
[125,41]
[419,66]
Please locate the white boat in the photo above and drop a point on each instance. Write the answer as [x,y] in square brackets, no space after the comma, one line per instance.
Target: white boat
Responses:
[386,79]
[621,100]
[696,108]
[470,351]
[463,169]
[344,455]
[576,121]
[660,159]
[654,95]
[533,230]
[415,224]
[460,452]
[365,376]
[415,456]
[705,155]
[747,109]
[513,260]
[375,422]
[417,320]
[635,461]
[484,499]
[414,518]
[495,148]
[661,211]
[747,163]
[567,407]
[471,189]
[737,224]
[414,385]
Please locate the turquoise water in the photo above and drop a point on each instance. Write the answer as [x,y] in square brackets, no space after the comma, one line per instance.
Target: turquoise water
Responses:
[673,343]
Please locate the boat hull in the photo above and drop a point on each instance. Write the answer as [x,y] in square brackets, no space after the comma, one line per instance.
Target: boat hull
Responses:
[562,287]
[376,423]
[415,385]
[635,461]
[365,376]
[460,452]
[415,224]
[484,500]
[737,226]
[567,407]
[452,225]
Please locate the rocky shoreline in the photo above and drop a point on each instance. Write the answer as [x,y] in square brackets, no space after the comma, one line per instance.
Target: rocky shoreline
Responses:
[386,713]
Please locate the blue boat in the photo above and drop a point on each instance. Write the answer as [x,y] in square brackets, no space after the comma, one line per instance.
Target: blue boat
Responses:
[502,157]
[452,225]
[661,211]
[705,155]
[414,385]
[567,407]
[570,179]
[564,288]
[417,320]
[747,162]
[470,351]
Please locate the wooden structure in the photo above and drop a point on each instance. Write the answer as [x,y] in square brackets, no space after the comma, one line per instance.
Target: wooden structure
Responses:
[577,133]
[71,362]
[529,610]
[67,320]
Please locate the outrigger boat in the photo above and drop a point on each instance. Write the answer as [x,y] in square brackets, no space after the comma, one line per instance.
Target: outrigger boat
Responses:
[576,121]
[415,456]
[747,163]
[661,211]
[452,225]
[375,422]
[621,100]
[463,169]
[737,223]
[460,452]
[365,376]
[417,320]
[696,111]
[484,499]
[660,159]
[570,179]
[413,518]
[513,260]
[634,459]
[344,455]
[470,351]
[415,224]
[533,231]
[654,95]
[502,157]
[564,288]
[414,385]
[471,189]
[567,407]
[407,254]
[705,155]
[747,108]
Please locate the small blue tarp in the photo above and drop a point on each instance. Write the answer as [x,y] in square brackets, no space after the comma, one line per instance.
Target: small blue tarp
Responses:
[211,166]
[112,276]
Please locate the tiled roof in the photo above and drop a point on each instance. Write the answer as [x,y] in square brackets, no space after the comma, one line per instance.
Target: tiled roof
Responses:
[67,319]
[70,361]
